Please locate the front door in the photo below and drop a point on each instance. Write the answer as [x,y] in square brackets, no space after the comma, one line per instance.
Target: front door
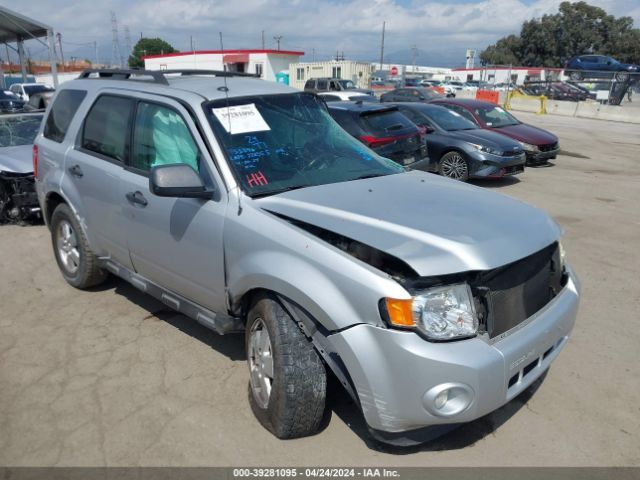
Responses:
[176,243]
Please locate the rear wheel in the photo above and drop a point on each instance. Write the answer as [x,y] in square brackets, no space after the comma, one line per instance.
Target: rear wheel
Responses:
[622,76]
[287,380]
[453,165]
[77,263]
[575,76]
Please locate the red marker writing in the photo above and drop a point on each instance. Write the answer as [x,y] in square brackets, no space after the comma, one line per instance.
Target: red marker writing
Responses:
[256,179]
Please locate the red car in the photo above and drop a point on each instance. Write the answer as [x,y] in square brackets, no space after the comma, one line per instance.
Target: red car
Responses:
[539,145]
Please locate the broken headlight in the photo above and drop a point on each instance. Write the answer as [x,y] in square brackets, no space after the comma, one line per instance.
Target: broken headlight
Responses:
[445,313]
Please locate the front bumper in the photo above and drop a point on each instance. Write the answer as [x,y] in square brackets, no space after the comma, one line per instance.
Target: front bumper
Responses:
[393,371]
[488,165]
[537,158]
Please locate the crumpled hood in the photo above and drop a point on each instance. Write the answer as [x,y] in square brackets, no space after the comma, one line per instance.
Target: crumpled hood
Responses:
[435,225]
[528,134]
[17,159]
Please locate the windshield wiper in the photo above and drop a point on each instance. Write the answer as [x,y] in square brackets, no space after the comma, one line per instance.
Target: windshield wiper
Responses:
[369,175]
[282,190]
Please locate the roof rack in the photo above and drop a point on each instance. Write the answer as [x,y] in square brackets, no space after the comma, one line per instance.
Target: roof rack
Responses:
[156,76]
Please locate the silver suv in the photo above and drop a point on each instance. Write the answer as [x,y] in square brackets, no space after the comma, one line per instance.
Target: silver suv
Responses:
[243,205]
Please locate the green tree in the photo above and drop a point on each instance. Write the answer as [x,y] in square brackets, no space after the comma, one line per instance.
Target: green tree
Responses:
[576,29]
[148,46]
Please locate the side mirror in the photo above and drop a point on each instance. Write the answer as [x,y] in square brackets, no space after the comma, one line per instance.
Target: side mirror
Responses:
[177,180]
[428,129]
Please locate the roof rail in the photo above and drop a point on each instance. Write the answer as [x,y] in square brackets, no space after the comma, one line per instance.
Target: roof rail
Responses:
[125,74]
[217,73]
[156,76]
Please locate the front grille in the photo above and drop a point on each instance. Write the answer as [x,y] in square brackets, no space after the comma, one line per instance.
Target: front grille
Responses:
[513,293]
[512,153]
[549,147]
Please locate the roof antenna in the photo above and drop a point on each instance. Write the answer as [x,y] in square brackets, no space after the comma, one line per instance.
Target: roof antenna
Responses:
[226,93]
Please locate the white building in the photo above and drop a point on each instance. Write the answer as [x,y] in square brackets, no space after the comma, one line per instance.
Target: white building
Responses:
[391,70]
[266,63]
[517,75]
[358,72]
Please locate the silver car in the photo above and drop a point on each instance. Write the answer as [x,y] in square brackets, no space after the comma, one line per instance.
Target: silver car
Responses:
[243,205]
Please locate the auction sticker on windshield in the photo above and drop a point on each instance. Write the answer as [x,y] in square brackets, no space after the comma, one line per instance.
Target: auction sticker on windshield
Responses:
[241,119]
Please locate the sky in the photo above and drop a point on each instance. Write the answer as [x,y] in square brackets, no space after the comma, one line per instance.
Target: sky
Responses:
[440,31]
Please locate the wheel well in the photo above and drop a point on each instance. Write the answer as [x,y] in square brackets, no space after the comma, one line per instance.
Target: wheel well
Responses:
[241,306]
[53,200]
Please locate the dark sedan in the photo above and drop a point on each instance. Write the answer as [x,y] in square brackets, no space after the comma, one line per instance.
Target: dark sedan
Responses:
[460,150]
[599,66]
[384,129]
[539,145]
[410,94]
[9,102]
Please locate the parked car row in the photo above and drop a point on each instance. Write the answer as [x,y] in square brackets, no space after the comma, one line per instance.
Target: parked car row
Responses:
[465,138]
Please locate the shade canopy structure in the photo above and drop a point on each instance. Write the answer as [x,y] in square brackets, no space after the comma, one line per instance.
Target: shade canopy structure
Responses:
[15,27]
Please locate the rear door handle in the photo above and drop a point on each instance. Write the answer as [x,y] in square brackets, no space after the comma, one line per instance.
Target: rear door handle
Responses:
[137,197]
[76,171]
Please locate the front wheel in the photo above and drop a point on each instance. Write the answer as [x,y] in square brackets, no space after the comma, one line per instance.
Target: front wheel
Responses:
[287,379]
[453,165]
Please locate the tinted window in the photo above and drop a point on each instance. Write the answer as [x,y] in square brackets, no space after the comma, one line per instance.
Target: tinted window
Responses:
[448,119]
[385,122]
[106,127]
[161,137]
[31,89]
[322,85]
[61,114]
[462,111]
[310,83]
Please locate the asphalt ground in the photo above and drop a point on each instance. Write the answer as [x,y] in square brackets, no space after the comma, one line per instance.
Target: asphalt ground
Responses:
[111,377]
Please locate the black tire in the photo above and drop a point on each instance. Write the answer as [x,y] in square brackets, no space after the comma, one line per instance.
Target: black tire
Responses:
[454,165]
[575,76]
[87,274]
[296,400]
[622,76]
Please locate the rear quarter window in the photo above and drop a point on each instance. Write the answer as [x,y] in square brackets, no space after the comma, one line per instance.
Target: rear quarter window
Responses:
[62,112]
[106,128]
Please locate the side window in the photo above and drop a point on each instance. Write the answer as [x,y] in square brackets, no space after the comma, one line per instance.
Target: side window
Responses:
[106,128]
[322,85]
[310,83]
[161,137]
[61,114]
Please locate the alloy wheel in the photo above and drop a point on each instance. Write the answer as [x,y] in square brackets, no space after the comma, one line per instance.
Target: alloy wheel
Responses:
[67,245]
[260,363]
[454,166]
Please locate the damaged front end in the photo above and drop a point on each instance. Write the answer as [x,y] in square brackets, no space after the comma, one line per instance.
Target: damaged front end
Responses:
[18,198]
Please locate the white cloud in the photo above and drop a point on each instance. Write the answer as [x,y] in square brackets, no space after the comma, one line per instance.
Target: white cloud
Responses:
[352,26]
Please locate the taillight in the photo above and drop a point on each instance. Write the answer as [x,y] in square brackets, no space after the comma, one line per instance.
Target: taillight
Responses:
[375,142]
[35,161]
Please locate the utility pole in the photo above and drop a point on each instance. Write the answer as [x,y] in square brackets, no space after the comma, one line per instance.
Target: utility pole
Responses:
[95,49]
[116,53]
[127,43]
[277,38]
[414,54]
[313,54]
[262,39]
[59,37]
[191,42]
[382,45]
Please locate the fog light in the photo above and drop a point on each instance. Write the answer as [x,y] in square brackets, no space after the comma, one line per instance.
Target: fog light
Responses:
[448,399]
[441,399]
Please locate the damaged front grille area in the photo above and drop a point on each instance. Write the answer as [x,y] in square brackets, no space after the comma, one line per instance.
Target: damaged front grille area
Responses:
[505,297]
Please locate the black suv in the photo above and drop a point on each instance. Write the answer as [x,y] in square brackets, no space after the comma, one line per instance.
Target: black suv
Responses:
[384,129]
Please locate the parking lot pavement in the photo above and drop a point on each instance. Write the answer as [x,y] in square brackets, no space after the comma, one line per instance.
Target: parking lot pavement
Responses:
[111,377]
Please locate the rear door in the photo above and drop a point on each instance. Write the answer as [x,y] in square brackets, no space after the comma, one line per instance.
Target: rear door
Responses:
[175,242]
[92,170]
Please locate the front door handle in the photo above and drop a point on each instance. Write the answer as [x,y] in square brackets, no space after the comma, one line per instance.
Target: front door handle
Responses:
[137,197]
[76,171]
